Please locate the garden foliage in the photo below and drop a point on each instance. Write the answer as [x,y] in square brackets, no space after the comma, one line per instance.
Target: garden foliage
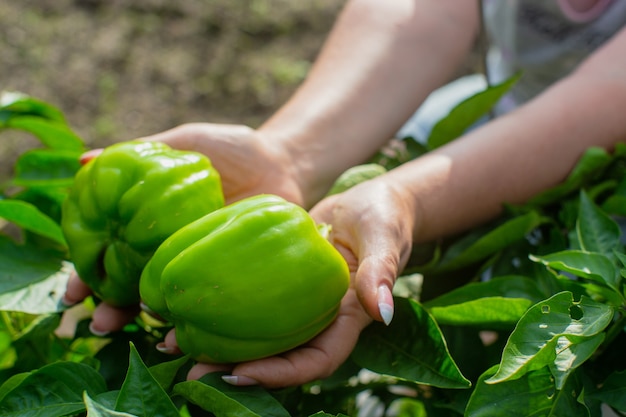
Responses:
[522,316]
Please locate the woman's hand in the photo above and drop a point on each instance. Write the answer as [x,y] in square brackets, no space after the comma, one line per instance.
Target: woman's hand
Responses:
[372,228]
[316,359]
[248,163]
[372,225]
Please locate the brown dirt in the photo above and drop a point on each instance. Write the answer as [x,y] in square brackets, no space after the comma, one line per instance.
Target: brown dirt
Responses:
[120,70]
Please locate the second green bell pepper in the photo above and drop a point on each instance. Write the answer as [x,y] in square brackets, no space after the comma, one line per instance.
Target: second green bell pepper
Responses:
[249,280]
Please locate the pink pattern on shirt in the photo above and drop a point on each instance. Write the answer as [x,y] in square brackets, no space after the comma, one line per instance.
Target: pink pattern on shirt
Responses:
[596,9]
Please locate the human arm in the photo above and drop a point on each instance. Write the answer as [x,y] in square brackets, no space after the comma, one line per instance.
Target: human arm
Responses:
[466,182]
[379,63]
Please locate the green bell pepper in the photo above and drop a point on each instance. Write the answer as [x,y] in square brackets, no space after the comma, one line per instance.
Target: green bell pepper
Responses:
[124,203]
[249,280]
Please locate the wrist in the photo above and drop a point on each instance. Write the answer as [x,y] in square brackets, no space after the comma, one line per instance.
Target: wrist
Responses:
[304,158]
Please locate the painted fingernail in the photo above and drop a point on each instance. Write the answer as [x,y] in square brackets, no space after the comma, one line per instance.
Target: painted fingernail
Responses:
[67,302]
[96,331]
[240,380]
[163,348]
[385,304]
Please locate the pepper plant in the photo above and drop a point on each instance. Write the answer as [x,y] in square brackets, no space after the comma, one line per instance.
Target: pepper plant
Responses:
[522,316]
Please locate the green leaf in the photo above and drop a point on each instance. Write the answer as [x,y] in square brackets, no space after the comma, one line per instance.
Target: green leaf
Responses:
[141,394]
[95,409]
[411,348]
[53,390]
[11,383]
[13,103]
[537,341]
[572,354]
[615,203]
[165,372]
[28,217]
[534,394]
[612,391]
[589,265]
[596,231]
[510,286]
[41,297]
[24,265]
[466,113]
[223,400]
[46,167]
[480,245]
[37,345]
[51,133]
[486,312]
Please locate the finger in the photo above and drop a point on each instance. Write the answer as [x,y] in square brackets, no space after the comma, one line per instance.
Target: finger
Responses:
[75,291]
[197,371]
[378,234]
[200,369]
[179,137]
[383,251]
[317,359]
[107,318]
[89,155]
[169,345]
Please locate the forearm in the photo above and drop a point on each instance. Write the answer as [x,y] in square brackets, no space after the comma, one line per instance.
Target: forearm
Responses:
[521,154]
[379,63]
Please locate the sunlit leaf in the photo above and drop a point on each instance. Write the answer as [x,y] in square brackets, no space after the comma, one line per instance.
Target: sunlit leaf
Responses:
[95,409]
[466,113]
[412,348]
[40,297]
[53,390]
[534,394]
[224,400]
[51,133]
[588,265]
[141,394]
[510,286]
[46,167]
[572,354]
[29,217]
[596,231]
[487,312]
[15,103]
[165,372]
[24,265]
[536,341]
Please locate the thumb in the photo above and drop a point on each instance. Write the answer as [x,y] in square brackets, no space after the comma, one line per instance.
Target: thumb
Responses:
[374,281]
[383,249]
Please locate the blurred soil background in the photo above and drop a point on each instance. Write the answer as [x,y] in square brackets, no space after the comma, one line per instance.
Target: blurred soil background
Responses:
[124,69]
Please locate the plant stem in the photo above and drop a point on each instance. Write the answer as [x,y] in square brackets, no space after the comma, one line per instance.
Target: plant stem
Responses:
[8,323]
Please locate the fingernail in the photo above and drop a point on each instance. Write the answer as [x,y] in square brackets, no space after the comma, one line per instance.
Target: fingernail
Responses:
[163,348]
[385,304]
[239,380]
[67,302]
[97,332]
[150,312]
